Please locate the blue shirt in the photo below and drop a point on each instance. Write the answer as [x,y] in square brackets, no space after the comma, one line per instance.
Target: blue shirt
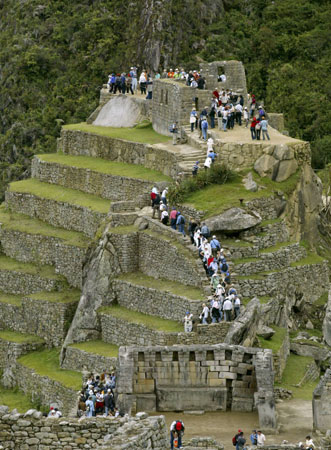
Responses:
[214,243]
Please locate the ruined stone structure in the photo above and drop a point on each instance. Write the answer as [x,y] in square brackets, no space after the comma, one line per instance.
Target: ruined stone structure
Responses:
[322,403]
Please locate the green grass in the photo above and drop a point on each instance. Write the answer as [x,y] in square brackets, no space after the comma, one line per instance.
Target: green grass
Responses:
[217,198]
[16,266]
[245,260]
[143,135]
[293,374]
[98,347]
[235,243]
[11,299]
[153,322]
[276,247]
[46,363]
[265,223]
[106,166]
[311,258]
[60,194]
[173,241]
[68,296]
[322,300]
[15,399]
[256,276]
[125,229]
[276,341]
[19,338]
[173,287]
[25,224]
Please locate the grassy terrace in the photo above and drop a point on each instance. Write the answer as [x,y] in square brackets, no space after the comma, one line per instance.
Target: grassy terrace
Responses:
[215,199]
[105,166]
[163,285]
[60,194]
[276,247]
[19,338]
[173,241]
[322,300]
[311,258]
[98,347]
[235,243]
[294,372]
[15,399]
[16,266]
[276,341]
[25,224]
[11,299]
[68,296]
[46,363]
[124,229]
[144,135]
[153,322]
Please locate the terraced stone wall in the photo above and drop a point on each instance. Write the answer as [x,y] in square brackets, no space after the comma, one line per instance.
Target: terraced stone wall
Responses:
[81,361]
[205,377]
[81,143]
[265,236]
[18,282]
[49,320]
[67,259]
[126,247]
[322,403]
[152,301]
[120,332]
[32,431]
[10,351]
[115,188]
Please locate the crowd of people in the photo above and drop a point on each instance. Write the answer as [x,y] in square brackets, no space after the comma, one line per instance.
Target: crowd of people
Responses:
[224,304]
[97,396]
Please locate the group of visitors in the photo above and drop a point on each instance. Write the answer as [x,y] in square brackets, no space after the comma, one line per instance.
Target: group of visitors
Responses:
[97,396]
[257,438]
[123,83]
[159,204]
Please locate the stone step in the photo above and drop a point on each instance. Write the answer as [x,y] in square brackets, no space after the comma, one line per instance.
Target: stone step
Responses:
[26,278]
[58,206]
[272,258]
[162,298]
[39,375]
[107,179]
[31,240]
[92,356]
[43,314]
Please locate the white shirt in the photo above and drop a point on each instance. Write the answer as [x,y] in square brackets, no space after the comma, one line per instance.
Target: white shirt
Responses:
[173,425]
[164,214]
[205,312]
[164,193]
[246,115]
[260,439]
[227,305]
[210,144]
[142,78]
[239,108]
[223,78]
[310,443]
[208,162]
[237,302]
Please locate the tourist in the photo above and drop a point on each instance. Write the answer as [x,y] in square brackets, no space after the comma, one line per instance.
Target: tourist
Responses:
[143,82]
[309,443]
[205,231]
[201,82]
[165,217]
[227,308]
[252,107]
[195,168]
[260,439]
[204,128]
[157,76]
[164,195]
[163,207]
[174,131]
[89,407]
[253,437]
[109,403]
[231,117]
[238,110]
[208,162]
[177,429]
[111,82]
[129,84]
[117,83]
[240,441]
[149,88]
[210,145]
[212,155]
[258,129]
[188,322]
[197,237]
[216,313]
[180,222]
[236,307]
[171,73]
[253,125]
[177,74]
[123,83]
[193,119]
[191,229]
[225,118]
[261,112]
[164,74]
[264,128]
[212,115]
[156,206]
[215,245]
[173,218]
[205,313]
[246,116]
[133,75]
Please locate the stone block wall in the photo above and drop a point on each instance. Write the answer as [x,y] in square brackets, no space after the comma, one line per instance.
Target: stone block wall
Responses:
[67,259]
[172,101]
[126,247]
[234,72]
[31,431]
[209,377]
[81,361]
[49,321]
[10,351]
[271,235]
[16,282]
[58,214]
[322,403]
[311,280]
[121,332]
[277,260]
[81,143]
[112,187]
[280,358]
[154,302]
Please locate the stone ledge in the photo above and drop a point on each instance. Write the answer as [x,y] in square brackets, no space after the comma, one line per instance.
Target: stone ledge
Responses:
[80,360]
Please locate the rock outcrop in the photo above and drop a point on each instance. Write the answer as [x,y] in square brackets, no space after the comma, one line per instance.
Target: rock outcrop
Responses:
[234,219]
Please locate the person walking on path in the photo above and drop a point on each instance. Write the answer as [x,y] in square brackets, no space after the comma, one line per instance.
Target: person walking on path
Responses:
[260,439]
[193,119]
[241,441]
[173,218]
[204,128]
[89,407]
[246,116]
[177,429]
[227,308]
[188,322]
[205,313]
[253,125]
[264,128]
[180,222]
[156,206]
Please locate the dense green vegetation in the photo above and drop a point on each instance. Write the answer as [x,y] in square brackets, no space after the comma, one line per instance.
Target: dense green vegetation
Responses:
[54,57]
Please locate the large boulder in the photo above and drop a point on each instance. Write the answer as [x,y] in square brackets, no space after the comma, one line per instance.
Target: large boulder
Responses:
[265,165]
[282,152]
[234,219]
[286,168]
[119,111]
[243,329]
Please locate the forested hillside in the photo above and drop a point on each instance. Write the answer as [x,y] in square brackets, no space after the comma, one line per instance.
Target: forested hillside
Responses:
[54,56]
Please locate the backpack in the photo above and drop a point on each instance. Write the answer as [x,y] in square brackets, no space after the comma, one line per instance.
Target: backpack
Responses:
[224,267]
[204,124]
[182,220]
[179,425]
[234,440]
